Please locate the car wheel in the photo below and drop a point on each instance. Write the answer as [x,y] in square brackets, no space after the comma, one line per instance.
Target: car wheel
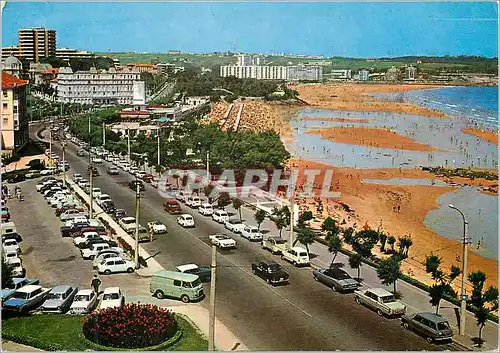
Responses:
[316,278]
[282,257]
[295,264]
[333,288]
[92,257]
[159,294]
[406,326]
[268,281]
[429,339]
[185,298]
[253,271]
[107,272]
[379,312]
[130,269]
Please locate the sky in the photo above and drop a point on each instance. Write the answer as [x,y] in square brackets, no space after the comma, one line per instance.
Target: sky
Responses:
[322,28]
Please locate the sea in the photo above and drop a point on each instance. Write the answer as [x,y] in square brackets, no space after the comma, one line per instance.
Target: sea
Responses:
[477,104]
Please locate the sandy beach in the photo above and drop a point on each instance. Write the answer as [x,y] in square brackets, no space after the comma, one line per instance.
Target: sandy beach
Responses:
[488,136]
[338,120]
[374,204]
[373,137]
[356,97]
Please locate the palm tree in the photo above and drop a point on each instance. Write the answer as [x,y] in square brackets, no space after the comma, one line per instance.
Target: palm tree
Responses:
[391,240]
[443,281]
[280,224]
[383,238]
[334,245]
[355,261]
[259,216]
[329,225]
[305,236]
[348,234]
[237,203]
[389,271]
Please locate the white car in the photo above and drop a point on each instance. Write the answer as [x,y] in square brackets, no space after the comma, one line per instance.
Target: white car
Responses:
[84,302]
[140,174]
[96,192]
[101,198]
[157,227]
[185,220]
[112,297]
[128,224]
[296,255]
[115,265]
[106,254]
[17,266]
[251,233]
[97,160]
[234,225]
[220,216]
[88,235]
[222,241]
[10,255]
[77,177]
[206,209]
[11,245]
[193,202]
[91,253]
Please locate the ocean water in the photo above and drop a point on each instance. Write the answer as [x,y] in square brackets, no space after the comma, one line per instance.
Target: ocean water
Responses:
[479,105]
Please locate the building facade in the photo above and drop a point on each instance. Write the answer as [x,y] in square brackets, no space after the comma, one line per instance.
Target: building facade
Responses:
[143,67]
[341,74]
[255,71]
[67,54]
[13,66]
[364,75]
[410,73]
[13,50]
[100,87]
[392,74]
[35,43]
[304,73]
[14,124]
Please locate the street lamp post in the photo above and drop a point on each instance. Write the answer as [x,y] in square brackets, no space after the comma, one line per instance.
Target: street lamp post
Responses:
[159,160]
[63,145]
[465,241]
[137,207]
[128,145]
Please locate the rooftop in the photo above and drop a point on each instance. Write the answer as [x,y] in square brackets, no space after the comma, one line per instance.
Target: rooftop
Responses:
[9,81]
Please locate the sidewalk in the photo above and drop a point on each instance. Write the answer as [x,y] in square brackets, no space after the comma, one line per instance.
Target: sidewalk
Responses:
[416,299]
[9,346]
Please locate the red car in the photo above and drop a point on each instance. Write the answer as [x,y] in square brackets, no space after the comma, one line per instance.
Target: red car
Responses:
[147,178]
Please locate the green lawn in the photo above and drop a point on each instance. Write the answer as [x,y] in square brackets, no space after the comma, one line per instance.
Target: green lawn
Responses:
[63,332]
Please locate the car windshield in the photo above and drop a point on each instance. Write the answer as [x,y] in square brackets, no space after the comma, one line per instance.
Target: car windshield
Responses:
[443,326]
[341,275]
[128,221]
[111,296]
[274,268]
[55,296]
[82,298]
[195,283]
[20,295]
[254,230]
[388,299]
[303,254]
[236,221]
[280,241]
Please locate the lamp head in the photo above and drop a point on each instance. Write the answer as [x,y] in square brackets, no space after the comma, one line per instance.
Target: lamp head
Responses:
[451,206]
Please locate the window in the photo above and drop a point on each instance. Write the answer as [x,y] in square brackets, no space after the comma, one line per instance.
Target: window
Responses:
[177,283]
[5,105]
[5,94]
[186,285]
[120,262]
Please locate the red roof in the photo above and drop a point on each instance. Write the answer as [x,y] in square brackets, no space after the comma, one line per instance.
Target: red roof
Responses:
[9,81]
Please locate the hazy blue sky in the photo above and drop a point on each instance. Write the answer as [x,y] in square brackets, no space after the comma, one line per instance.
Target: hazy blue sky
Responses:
[344,29]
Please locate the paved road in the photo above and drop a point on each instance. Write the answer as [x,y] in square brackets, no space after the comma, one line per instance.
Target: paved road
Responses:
[304,315]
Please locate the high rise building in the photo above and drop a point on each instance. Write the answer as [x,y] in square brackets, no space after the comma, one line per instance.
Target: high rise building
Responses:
[35,43]
[67,54]
[410,72]
[13,50]
[14,124]
[304,73]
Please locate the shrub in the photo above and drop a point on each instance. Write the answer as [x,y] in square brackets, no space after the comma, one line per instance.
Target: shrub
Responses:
[131,326]
[128,248]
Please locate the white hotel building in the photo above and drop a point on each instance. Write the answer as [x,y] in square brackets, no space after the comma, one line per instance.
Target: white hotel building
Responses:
[100,87]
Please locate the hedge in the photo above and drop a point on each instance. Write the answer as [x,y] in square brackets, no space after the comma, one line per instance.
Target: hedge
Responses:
[30,341]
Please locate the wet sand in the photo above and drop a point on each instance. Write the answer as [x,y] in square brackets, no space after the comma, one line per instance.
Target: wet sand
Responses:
[338,120]
[374,137]
[374,204]
[488,136]
[356,97]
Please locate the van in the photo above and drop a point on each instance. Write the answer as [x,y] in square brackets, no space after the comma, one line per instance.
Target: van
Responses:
[296,255]
[206,209]
[184,286]
[172,206]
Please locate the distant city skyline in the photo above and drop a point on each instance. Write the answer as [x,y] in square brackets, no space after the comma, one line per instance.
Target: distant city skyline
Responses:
[361,30]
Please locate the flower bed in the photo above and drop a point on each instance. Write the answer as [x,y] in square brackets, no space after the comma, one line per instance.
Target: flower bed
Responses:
[131,326]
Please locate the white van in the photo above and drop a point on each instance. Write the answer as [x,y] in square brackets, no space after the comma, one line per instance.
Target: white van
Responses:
[297,256]
[206,209]
[193,202]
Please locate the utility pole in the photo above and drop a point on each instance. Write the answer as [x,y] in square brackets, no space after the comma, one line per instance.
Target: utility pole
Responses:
[91,208]
[50,144]
[137,206]
[465,242]
[208,164]
[103,134]
[128,145]
[211,323]
[63,144]
[292,211]
[159,160]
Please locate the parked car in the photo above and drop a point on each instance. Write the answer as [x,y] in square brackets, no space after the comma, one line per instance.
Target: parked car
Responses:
[222,241]
[183,195]
[432,326]
[16,265]
[106,254]
[335,278]
[18,282]
[112,170]
[59,299]
[108,207]
[235,225]
[193,201]
[128,224]
[72,214]
[186,220]
[112,297]
[270,271]
[251,233]
[11,245]
[115,265]
[274,244]
[63,209]
[380,300]
[133,185]
[119,214]
[157,227]
[84,302]
[148,178]
[91,252]
[201,271]
[26,298]
[206,209]
[81,153]
[297,256]
[172,206]
[86,236]
[220,216]
[97,160]
[101,198]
